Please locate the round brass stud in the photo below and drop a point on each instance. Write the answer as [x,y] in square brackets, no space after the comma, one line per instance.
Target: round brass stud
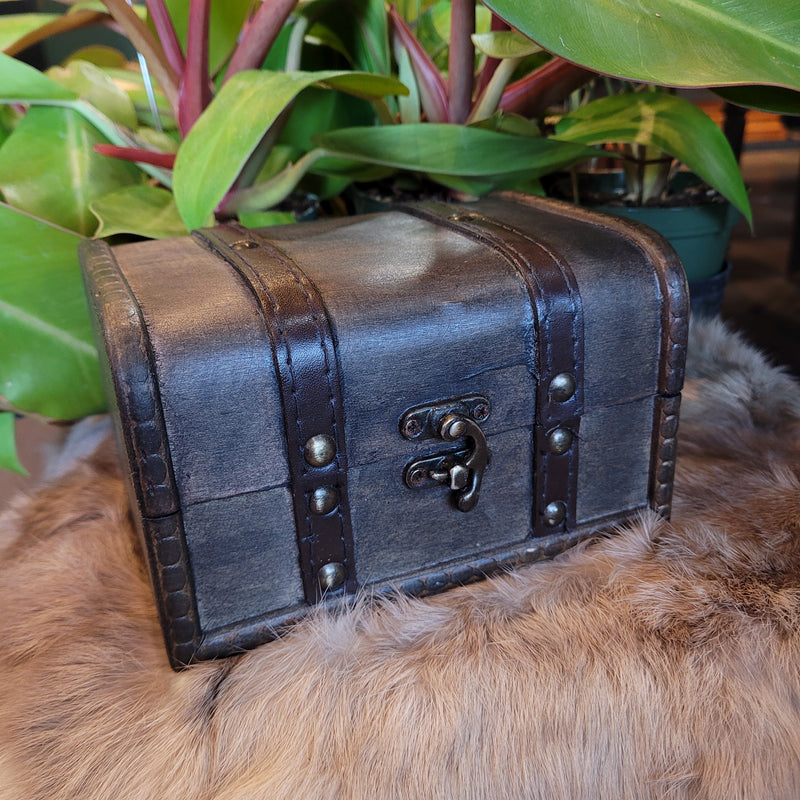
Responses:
[244,244]
[554,513]
[323,500]
[562,387]
[320,450]
[331,576]
[559,440]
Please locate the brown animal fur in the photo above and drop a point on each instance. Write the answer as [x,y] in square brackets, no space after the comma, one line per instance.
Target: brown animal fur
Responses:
[663,662]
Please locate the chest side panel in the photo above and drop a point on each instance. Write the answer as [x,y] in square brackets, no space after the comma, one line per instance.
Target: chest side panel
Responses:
[213,365]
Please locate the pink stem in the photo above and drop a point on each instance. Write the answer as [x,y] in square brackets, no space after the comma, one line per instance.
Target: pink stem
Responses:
[162,22]
[259,35]
[551,83]
[432,88]
[164,160]
[195,92]
[461,59]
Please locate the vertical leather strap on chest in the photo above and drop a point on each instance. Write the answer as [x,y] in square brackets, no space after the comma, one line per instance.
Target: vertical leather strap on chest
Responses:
[557,362]
[307,372]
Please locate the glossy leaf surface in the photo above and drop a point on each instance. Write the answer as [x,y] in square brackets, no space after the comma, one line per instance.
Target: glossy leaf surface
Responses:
[48,168]
[219,144]
[49,365]
[673,42]
[453,150]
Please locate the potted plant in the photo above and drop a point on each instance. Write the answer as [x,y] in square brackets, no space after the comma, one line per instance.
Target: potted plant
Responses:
[237,139]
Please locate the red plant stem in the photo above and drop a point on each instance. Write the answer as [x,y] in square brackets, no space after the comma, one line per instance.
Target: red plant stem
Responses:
[490,65]
[162,22]
[550,84]
[259,35]
[195,92]
[461,59]
[432,88]
[164,160]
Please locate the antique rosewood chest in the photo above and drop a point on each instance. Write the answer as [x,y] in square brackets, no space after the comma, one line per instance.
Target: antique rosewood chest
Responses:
[403,401]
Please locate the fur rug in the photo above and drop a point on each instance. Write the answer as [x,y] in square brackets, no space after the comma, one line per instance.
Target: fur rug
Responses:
[660,663]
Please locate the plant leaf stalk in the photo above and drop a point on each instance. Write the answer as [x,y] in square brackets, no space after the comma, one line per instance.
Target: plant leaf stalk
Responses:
[259,35]
[461,59]
[195,90]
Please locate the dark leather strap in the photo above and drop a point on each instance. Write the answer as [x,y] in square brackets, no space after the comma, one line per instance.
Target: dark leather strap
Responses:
[558,358]
[306,366]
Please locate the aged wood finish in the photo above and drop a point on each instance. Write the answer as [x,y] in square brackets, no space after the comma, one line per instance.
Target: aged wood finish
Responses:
[421,304]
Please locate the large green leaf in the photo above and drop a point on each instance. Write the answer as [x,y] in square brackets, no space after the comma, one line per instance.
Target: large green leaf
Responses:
[142,210]
[675,42]
[229,130]
[49,363]
[671,124]
[453,150]
[48,168]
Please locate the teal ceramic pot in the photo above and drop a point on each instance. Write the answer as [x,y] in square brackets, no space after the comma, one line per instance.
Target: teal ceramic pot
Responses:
[699,233]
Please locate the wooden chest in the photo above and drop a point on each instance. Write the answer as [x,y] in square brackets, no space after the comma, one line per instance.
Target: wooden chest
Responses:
[400,401]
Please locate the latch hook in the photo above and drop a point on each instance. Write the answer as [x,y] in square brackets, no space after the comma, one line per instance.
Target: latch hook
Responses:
[453,427]
[461,470]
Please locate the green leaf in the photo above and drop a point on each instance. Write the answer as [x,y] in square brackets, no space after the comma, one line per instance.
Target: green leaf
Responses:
[49,365]
[263,219]
[20,83]
[453,150]
[92,84]
[317,110]
[48,168]
[668,122]
[8,444]
[505,44]
[219,144]
[141,210]
[14,27]
[674,42]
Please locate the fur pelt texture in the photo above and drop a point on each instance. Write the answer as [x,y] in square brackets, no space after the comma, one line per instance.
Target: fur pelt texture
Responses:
[663,662]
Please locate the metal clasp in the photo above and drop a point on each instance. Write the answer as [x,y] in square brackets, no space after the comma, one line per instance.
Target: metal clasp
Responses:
[461,470]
